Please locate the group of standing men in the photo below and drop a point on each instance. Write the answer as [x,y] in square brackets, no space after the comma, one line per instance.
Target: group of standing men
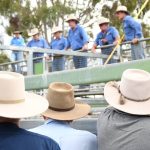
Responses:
[78,40]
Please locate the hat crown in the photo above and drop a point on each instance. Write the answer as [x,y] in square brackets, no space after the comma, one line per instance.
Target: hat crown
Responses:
[72,17]
[56,29]
[33,31]
[11,87]
[122,8]
[135,84]
[103,20]
[61,96]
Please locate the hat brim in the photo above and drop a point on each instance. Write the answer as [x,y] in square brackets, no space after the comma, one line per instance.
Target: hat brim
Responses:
[31,34]
[72,19]
[31,106]
[122,11]
[57,31]
[80,110]
[19,32]
[112,96]
[106,22]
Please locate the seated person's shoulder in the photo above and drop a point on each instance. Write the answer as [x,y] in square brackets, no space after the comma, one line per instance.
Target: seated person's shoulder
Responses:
[41,139]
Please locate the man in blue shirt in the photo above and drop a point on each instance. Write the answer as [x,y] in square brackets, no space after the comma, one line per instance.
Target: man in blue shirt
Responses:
[15,103]
[37,42]
[133,32]
[77,40]
[108,35]
[63,109]
[17,40]
[58,43]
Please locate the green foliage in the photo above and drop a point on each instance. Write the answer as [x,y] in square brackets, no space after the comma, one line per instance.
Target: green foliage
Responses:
[4,58]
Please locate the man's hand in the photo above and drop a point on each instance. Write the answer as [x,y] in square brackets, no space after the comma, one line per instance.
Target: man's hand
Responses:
[85,47]
[47,58]
[115,42]
[135,41]
[104,40]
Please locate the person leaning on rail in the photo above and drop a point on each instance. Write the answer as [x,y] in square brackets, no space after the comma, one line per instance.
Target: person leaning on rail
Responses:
[133,32]
[15,103]
[58,43]
[125,124]
[108,35]
[63,109]
[37,42]
[77,40]
[17,40]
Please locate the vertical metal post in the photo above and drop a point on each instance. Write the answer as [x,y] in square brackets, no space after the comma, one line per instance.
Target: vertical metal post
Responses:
[30,63]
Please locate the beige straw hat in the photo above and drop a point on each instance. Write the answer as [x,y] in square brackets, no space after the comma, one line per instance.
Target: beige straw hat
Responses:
[103,20]
[62,105]
[14,101]
[122,8]
[33,32]
[56,29]
[131,94]
[72,17]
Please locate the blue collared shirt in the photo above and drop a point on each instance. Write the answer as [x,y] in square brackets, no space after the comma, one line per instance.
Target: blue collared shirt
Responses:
[59,44]
[67,137]
[111,35]
[14,138]
[132,28]
[17,41]
[77,38]
[41,43]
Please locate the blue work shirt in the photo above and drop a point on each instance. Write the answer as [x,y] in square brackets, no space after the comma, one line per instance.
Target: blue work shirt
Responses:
[110,35]
[14,138]
[132,28]
[59,44]
[17,41]
[41,43]
[77,38]
[67,137]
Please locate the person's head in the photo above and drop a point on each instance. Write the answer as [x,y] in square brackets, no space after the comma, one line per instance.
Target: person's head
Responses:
[34,33]
[17,33]
[62,105]
[72,21]
[104,24]
[121,12]
[130,95]
[57,32]
[15,103]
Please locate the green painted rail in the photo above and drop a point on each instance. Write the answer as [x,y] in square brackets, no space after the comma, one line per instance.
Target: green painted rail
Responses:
[86,75]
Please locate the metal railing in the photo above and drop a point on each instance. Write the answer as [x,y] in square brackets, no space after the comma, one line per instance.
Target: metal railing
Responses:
[30,59]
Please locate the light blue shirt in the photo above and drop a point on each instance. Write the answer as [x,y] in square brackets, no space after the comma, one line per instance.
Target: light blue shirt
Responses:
[38,43]
[132,28]
[59,44]
[67,137]
[41,43]
[17,41]
[77,38]
[110,35]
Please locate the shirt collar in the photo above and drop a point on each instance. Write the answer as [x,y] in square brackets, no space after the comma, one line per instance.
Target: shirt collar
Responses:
[49,121]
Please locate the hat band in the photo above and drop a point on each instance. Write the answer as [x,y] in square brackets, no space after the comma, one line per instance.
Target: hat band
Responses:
[62,110]
[122,97]
[11,101]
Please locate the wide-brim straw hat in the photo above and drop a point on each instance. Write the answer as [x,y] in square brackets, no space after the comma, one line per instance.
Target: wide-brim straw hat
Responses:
[103,20]
[57,29]
[131,94]
[33,32]
[17,32]
[122,9]
[14,101]
[62,105]
[72,17]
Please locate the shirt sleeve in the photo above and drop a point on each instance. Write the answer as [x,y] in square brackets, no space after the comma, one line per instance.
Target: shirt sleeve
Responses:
[84,35]
[23,42]
[11,42]
[115,33]
[136,26]
[68,42]
[98,40]
[45,44]
[29,44]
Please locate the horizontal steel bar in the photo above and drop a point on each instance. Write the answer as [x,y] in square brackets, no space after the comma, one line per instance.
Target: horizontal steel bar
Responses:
[85,75]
